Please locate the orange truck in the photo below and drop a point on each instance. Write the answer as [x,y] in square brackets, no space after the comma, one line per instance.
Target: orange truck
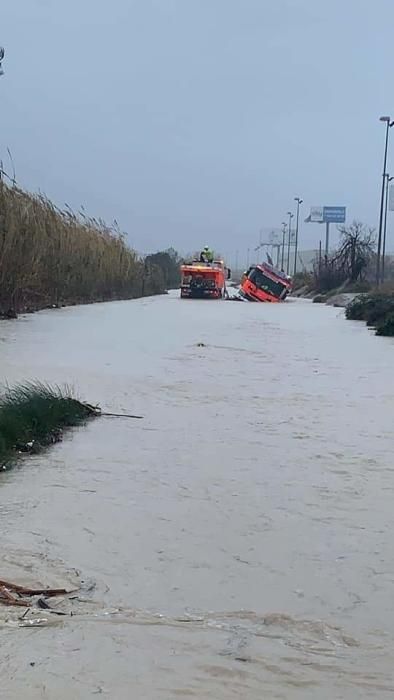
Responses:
[265,283]
[204,280]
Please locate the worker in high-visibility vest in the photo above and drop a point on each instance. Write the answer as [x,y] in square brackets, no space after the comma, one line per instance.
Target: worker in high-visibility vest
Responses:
[206,255]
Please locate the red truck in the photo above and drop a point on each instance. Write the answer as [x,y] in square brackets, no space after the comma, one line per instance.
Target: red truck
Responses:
[204,280]
[265,283]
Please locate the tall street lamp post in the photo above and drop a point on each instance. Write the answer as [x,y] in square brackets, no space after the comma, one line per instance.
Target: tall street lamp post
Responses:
[284,227]
[290,215]
[299,201]
[389,124]
[388,180]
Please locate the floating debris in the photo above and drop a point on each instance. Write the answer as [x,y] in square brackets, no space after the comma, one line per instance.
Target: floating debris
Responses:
[22,596]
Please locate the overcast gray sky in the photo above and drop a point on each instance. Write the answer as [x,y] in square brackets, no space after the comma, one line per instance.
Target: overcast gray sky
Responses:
[199,121]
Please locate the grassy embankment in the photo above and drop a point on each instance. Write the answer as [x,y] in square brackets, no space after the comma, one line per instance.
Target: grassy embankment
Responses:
[376,309]
[374,306]
[33,416]
[50,257]
[306,285]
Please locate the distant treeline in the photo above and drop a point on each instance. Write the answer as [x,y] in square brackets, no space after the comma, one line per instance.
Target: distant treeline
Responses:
[168,262]
[52,257]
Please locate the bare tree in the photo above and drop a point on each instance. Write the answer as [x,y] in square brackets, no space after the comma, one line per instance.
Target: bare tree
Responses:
[351,262]
[356,251]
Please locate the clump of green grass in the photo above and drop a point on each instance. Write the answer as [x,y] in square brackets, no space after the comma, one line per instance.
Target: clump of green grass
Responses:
[34,415]
[385,326]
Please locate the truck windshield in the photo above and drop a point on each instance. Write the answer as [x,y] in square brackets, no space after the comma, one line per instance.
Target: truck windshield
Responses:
[265,283]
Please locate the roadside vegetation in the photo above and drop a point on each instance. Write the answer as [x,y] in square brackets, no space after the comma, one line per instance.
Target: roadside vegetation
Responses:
[376,309]
[352,264]
[51,257]
[347,278]
[33,416]
[350,268]
[168,262]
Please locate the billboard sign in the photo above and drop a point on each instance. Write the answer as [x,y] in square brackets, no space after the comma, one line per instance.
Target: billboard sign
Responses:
[328,215]
[274,237]
[334,215]
[316,215]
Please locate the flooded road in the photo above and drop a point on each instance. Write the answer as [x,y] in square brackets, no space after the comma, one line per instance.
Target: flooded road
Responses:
[237,542]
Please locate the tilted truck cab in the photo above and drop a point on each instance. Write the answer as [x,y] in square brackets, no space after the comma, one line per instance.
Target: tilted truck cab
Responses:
[265,283]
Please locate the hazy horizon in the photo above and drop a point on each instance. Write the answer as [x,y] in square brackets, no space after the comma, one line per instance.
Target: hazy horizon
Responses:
[197,122]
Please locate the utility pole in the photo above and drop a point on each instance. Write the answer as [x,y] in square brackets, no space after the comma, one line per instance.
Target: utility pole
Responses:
[290,215]
[327,244]
[299,201]
[389,124]
[388,180]
[284,227]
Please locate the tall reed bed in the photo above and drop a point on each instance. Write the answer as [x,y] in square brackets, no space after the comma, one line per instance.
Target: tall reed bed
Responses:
[50,257]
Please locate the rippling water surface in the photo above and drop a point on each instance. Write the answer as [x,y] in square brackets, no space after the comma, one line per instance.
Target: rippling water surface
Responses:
[237,542]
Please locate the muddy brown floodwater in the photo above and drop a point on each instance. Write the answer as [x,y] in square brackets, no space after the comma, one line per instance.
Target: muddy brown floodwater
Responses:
[237,542]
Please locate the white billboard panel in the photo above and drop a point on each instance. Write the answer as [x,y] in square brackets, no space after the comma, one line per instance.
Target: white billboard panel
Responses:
[317,215]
